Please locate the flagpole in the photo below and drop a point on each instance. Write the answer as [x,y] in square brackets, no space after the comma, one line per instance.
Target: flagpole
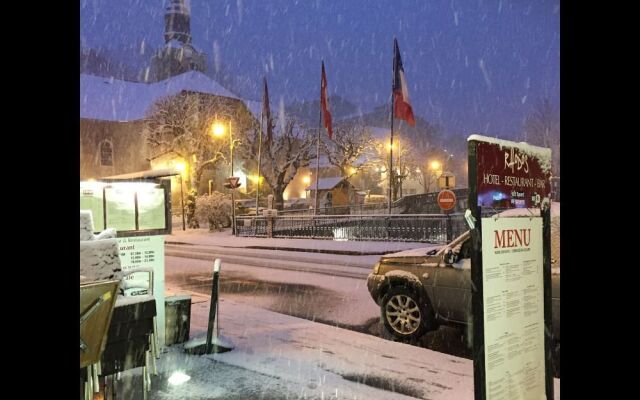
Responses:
[391,148]
[315,209]
[259,161]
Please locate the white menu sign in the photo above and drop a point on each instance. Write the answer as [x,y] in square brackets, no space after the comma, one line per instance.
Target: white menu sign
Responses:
[513,295]
[145,252]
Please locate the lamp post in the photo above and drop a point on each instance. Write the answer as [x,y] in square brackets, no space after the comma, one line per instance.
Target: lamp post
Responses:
[218,130]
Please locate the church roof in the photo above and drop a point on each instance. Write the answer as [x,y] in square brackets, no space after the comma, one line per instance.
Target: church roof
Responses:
[118,100]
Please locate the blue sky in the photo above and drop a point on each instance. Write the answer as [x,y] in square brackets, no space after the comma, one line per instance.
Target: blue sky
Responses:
[471,66]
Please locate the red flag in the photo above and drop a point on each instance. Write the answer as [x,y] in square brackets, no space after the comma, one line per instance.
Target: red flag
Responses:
[402,108]
[266,111]
[324,102]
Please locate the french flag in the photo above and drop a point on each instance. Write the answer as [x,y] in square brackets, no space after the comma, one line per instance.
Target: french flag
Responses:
[402,108]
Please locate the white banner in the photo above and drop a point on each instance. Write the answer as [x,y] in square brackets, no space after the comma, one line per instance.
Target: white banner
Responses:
[513,295]
[145,252]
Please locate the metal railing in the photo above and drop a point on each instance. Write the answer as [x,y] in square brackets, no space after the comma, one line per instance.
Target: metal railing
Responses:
[429,228]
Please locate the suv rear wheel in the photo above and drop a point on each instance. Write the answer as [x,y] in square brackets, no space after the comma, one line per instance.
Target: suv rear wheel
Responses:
[404,314]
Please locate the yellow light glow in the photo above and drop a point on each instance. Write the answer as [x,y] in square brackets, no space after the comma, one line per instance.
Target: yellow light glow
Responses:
[395,145]
[217,129]
[306,179]
[435,165]
[352,170]
[181,166]
[91,180]
[254,178]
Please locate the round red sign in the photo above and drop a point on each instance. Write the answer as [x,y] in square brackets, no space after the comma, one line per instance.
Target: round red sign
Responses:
[446,200]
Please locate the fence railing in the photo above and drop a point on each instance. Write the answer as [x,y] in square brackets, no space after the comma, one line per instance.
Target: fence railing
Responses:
[429,228]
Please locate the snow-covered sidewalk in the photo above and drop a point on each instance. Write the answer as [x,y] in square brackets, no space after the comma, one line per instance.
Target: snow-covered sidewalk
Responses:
[296,358]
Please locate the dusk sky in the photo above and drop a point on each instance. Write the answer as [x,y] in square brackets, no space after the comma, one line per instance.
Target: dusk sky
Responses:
[472,66]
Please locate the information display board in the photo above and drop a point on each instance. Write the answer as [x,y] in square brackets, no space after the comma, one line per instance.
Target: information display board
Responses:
[513,289]
[120,208]
[151,211]
[145,252]
[510,270]
[91,198]
[130,207]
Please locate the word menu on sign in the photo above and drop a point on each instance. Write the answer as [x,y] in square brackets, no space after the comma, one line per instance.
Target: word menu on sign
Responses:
[513,296]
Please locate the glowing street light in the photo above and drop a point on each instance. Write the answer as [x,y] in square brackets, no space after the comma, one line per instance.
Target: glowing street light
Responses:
[306,180]
[217,129]
[435,165]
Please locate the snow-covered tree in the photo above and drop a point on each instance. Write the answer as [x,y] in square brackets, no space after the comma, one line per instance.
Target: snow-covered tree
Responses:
[216,209]
[542,128]
[286,147]
[405,164]
[181,125]
[351,150]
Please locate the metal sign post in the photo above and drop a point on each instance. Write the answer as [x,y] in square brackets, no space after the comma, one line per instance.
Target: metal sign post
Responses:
[233,182]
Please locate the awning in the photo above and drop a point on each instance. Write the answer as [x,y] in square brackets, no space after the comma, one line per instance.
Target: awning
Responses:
[148,174]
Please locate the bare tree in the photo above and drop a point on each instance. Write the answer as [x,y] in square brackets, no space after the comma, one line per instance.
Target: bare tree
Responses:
[405,165]
[285,149]
[180,125]
[351,150]
[542,128]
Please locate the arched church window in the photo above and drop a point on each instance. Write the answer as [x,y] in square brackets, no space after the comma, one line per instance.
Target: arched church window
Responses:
[106,153]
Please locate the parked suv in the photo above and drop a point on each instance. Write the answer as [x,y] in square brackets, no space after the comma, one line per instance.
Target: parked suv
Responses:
[417,289]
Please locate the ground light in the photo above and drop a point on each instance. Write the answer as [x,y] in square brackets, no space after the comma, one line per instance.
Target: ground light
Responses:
[178,378]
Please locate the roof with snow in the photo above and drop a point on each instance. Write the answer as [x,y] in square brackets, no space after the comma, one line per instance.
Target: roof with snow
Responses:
[325,183]
[148,174]
[118,100]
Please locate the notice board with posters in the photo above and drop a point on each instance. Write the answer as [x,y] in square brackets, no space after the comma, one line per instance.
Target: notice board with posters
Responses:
[132,208]
[510,269]
[140,212]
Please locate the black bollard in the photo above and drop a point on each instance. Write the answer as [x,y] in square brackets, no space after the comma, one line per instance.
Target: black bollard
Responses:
[214,305]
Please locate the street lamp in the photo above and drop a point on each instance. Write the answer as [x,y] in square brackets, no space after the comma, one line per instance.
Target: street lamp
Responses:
[218,130]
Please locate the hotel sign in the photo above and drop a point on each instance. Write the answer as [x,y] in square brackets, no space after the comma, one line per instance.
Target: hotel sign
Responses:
[512,175]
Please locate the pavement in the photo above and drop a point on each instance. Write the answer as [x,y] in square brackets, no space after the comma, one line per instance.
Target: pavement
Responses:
[277,356]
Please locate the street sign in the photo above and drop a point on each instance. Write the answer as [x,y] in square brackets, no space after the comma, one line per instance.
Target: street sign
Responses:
[446,200]
[447,181]
[232,182]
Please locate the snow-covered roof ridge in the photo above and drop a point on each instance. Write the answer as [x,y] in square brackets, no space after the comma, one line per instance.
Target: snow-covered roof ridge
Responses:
[113,99]
[325,183]
[543,154]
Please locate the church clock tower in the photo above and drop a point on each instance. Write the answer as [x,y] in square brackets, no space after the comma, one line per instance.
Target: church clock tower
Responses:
[178,54]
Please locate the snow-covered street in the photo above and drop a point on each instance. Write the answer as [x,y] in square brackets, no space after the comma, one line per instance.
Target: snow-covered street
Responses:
[299,331]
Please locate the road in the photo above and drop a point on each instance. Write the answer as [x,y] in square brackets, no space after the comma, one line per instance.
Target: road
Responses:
[325,288]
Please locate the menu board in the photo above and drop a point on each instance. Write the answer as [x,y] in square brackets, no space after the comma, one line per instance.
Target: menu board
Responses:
[145,252]
[91,199]
[513,289]
[151,212]
[121,208]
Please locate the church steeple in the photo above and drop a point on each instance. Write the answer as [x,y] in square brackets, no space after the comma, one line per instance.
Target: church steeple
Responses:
[177,21]
[178,55]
